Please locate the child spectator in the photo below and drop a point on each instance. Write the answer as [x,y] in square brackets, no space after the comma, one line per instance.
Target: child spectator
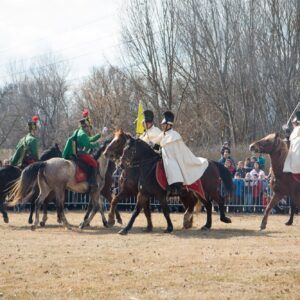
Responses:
[241,170]
[257,171]
[228,164]
[256,191]
[247,165]
[253,160]
[248,193]
[224,157]
[239,184]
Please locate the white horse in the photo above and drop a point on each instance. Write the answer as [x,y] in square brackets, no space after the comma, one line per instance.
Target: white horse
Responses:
[56,175]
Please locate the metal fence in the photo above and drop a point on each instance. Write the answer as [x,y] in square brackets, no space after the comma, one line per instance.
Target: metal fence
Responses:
[248,196]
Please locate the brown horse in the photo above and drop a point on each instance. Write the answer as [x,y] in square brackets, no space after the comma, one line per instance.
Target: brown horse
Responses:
[282,184]
[131,176]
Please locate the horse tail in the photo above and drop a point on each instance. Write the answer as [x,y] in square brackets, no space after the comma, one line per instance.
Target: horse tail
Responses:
[22,189]
[225,176]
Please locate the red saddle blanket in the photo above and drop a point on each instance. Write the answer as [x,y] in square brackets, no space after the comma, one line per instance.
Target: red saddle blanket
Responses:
[80,175]
[162,180]
[297,177]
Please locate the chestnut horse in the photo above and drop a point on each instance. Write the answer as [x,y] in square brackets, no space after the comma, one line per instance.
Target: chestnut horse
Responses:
[282,184]
[131,176]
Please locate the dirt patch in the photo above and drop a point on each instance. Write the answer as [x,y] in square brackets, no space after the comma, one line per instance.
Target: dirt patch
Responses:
[233,261]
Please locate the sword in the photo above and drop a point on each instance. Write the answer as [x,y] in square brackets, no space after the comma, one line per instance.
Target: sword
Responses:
[286,126]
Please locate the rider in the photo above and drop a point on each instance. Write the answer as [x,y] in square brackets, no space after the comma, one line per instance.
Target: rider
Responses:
[78,147]
[151,131]
[292,161]
[27,149]
[181,165]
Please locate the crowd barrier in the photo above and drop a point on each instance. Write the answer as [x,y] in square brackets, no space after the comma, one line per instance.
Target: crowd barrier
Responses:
[248,196]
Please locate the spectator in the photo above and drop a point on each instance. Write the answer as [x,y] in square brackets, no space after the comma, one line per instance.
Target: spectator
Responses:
[247,165]
[257,171]
[241,170]
[239,185]
[225,156]
[228,164]
[261,160]
[226,146]
[256,191]
[248,193]
[253,160]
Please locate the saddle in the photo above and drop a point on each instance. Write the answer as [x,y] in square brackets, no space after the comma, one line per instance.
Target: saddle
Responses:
[162,181]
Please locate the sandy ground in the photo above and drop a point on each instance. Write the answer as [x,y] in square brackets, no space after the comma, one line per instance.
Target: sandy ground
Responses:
[232,261]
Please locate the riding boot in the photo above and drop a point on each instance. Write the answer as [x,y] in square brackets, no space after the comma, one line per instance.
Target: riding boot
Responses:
[174,189]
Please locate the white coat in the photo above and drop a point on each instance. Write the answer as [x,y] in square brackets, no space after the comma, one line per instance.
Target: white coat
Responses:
[292,161]
[180,164]
[150,134]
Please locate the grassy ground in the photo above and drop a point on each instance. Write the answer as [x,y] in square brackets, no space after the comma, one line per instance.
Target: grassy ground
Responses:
[232,261]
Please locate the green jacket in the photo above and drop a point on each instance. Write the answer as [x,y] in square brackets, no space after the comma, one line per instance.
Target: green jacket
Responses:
[27,147]
[82,140]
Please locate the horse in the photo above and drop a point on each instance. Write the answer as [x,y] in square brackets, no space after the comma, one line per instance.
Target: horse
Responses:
[9,174]
[214,171]
[282,184]
[55,176]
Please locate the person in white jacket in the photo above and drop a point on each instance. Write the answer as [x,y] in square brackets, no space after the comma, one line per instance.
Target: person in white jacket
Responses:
[292,161]
[182,167]
[151,131]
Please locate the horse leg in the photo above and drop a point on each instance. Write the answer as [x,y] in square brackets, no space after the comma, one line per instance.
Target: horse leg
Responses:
[32,209]
[208,208]
[166,212]
[45,216]
[275,199]
[118,216]
[3,210]
[60,200]
[138,207]
[293,210]
[101,204]
[93,211]
[147,212]
[113,205]
[38,204]
[221,202]
[87,214]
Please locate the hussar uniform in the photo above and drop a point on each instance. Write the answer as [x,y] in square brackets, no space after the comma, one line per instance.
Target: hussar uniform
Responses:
[151,133]
[181,165]
[27,149]
[292,162]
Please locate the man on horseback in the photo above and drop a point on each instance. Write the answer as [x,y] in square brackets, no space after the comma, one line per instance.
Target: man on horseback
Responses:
[182,167]
[151,131]
[79,146]
[292,162]
[27,149]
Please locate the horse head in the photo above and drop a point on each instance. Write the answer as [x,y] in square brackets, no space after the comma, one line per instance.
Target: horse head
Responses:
[136,152]
[269,144]
[114,149]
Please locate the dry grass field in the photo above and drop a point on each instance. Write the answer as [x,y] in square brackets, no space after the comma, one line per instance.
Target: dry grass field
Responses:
[232,261]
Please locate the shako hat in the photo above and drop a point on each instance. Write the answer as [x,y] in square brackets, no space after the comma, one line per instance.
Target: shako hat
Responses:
[168,118]
[148,116]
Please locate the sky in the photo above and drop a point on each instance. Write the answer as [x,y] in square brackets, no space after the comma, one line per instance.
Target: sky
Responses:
[83,33]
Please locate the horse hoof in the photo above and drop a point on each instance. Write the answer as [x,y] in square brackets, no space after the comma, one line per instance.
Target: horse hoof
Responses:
[30,221]
[263,226]
[33,227]
[5,219]
[123,232]
[148,229]
[288,223]
[168,230]
[111,223]
[226,220]
[59,221]
[42,224]
[120,221]
[105,224]
[205,228]
[81,225]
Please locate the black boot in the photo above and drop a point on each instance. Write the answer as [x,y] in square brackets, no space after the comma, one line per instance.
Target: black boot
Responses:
[174,189]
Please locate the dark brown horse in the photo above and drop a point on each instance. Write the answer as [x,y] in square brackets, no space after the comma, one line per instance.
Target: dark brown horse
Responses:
[282,184]
[131,176]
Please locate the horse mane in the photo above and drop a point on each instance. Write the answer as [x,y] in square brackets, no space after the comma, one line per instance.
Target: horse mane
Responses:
[119,133]
[53,151]
[282,149]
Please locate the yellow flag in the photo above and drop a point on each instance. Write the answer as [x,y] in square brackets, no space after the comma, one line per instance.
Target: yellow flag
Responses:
[139,121]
